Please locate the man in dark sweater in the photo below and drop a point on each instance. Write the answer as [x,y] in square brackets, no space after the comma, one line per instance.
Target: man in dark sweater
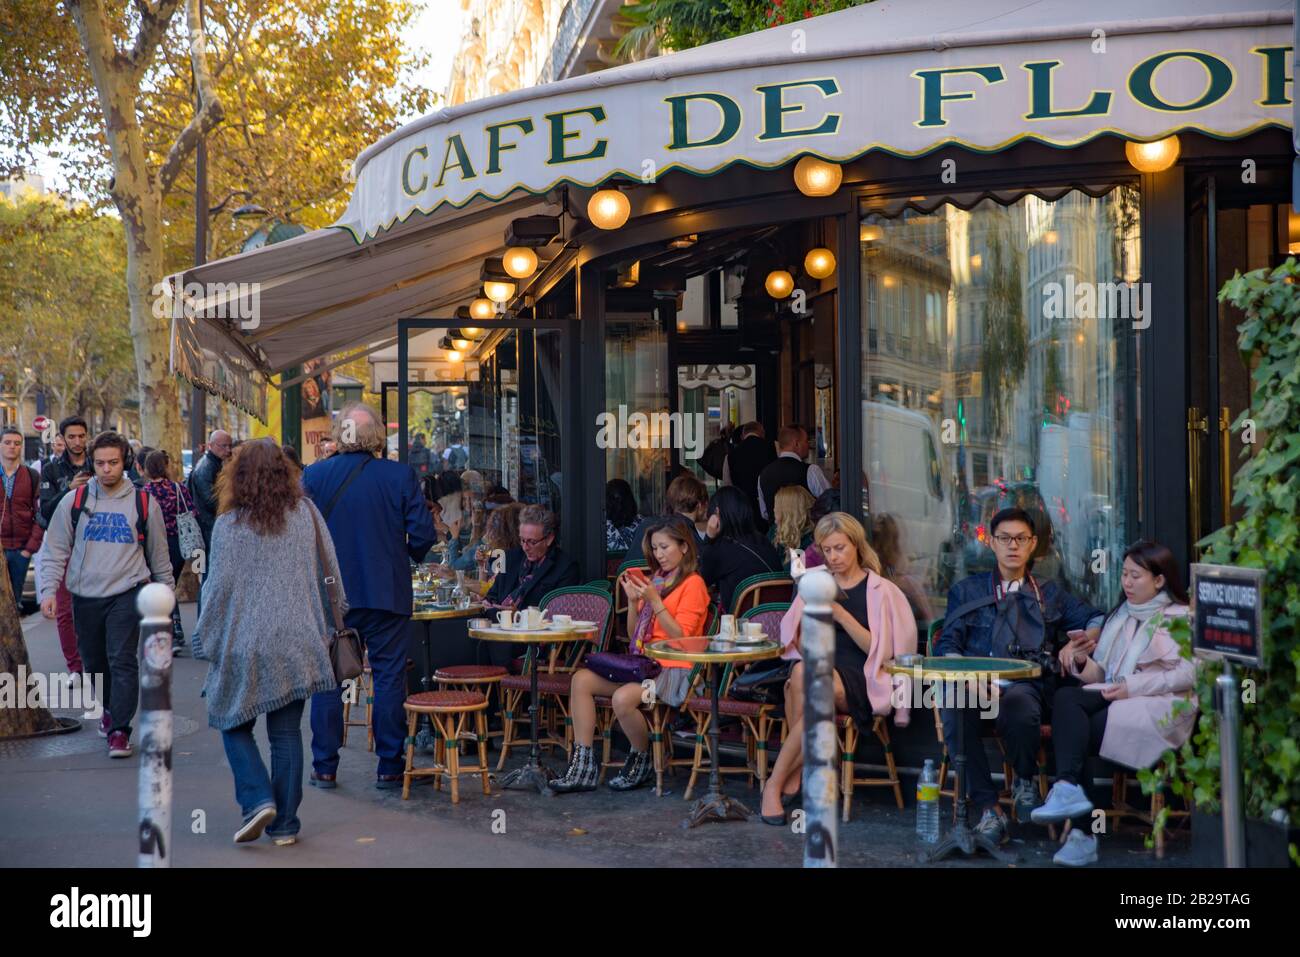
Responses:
[746,461]
[789,468]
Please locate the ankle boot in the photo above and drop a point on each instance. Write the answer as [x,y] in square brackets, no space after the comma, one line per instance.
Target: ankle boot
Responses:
[638,770]
[580,774]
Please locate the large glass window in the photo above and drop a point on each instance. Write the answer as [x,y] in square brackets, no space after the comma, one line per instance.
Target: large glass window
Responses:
[998,379]
[636,381]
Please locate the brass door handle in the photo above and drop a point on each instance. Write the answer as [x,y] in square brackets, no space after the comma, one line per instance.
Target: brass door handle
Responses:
[1225,465]
[1197,427]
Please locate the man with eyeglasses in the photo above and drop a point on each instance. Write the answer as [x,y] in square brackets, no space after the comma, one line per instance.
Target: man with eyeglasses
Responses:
[1002,614]
[536,567]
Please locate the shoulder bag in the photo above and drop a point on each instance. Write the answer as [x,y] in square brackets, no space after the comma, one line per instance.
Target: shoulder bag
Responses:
[188,534]
[343,643]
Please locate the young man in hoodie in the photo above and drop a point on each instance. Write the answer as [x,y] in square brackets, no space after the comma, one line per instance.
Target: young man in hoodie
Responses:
[108,554]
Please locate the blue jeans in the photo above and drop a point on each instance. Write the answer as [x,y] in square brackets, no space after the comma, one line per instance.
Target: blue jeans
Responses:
[17,572]
[282,789]
[384,635]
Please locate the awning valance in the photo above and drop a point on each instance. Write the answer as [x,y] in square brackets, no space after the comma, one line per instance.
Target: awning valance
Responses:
[901,76]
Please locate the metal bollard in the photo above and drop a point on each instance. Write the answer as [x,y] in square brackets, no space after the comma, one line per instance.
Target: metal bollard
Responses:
[155,603]
[820,765]
[1234,820]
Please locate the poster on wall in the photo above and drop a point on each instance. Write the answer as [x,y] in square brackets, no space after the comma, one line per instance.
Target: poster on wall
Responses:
[316,419]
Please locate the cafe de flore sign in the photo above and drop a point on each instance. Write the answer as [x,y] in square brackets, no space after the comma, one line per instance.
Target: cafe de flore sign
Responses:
[765,99]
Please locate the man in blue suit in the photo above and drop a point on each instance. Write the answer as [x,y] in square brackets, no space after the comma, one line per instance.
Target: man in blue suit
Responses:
[380,523]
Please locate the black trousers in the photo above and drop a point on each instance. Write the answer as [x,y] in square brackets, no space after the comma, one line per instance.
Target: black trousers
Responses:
[108,639]
[1078,725]
[178,563]
[1021,709]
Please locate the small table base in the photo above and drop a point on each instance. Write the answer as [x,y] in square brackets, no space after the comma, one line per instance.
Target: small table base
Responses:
[965,841]
[531,777]
[716,806]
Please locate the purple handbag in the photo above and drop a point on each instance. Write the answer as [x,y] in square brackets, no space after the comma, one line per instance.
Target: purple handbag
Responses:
[622,669]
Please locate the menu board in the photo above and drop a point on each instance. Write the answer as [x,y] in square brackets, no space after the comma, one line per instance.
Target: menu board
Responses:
[1227,613]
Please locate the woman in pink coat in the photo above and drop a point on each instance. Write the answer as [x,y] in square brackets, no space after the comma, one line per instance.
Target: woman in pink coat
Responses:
[873,624]
[1124,705]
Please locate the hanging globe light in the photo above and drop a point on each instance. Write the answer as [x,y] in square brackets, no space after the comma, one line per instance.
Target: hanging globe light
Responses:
[816,177]
[608,209]
[470,332]
[498,291]
[519,262]
[779,284]
[819,263]
[1153,157]
[482,308]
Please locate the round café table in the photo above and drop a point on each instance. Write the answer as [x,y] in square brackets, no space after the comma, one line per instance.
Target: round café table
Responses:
[954,670]
[710,652]
[533,775]
[423,623]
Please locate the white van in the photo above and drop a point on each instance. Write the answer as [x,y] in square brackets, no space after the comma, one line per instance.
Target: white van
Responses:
[906,478]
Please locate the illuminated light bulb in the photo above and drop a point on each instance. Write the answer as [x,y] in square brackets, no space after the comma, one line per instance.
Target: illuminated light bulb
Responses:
[1153,157]
[779,284]
[471,332]
[888,281]
[816,177]
[453,355]
[608,209]
[462,345]
[869,233]
[819,263]
[976,261]
[519,262]
[498,291]
[1050,237]
[482,308]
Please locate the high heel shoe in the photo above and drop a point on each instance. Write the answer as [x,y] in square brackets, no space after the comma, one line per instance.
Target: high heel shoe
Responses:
[776,820]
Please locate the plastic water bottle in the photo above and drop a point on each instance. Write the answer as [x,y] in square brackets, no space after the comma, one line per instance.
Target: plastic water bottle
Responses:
[927,804]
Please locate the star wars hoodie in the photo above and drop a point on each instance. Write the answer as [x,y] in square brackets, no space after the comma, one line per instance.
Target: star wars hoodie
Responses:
[105,559]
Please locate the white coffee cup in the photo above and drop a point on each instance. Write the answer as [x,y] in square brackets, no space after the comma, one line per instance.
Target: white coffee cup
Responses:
[728,625]
[506,618]
[562,620]
[753,629]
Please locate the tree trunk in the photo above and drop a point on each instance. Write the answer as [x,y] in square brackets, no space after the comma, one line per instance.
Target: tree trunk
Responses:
[15,721]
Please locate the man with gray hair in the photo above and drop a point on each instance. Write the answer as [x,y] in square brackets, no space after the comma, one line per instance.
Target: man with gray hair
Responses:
[380,523]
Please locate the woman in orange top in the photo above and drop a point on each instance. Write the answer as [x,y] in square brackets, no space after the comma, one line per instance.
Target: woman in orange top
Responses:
[672,603]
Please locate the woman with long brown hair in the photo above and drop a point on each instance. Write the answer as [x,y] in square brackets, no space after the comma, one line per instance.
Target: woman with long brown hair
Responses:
[263,628]
[672,603]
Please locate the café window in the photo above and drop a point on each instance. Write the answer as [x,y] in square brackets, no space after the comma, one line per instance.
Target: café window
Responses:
[999,378]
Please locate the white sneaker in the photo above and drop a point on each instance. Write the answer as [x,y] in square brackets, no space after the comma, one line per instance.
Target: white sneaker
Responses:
[1080,849]
[252,828]
[1064,801]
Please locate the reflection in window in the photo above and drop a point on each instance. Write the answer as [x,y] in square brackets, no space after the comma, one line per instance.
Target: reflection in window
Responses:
[1004,383]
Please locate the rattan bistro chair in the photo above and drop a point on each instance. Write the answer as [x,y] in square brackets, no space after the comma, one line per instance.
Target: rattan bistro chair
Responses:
[620,597]
[363,692]
[762,589]
[451,713]
[583,603]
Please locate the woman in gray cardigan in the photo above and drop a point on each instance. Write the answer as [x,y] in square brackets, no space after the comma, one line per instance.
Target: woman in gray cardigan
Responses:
[263,629]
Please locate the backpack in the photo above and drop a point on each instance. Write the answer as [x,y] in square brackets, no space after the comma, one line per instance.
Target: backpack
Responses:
[141,515]
[715,456]
[457,457]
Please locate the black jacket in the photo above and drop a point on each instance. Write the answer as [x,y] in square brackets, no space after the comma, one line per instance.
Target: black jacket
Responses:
[203,489]
[557,570]
[725,563]
[55,477]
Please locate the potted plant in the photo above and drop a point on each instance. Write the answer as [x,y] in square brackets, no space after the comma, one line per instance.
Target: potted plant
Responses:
[1268,536]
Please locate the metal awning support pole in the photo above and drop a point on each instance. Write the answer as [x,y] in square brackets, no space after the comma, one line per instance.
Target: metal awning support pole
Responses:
[817,645]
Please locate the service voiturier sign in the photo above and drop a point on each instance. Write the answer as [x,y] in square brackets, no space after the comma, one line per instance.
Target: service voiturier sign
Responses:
[1227,610]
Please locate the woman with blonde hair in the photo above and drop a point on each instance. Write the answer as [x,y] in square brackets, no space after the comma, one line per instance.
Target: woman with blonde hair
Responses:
[873,624]
[794,526]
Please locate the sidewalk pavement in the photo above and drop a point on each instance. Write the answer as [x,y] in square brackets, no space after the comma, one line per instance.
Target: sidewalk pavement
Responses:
[64,803]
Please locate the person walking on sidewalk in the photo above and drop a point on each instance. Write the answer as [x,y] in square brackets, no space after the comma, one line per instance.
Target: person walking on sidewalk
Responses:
[68,470]
[19,507]
[380,524]
[203,492]
[173,499]
[108,538]
[264,634]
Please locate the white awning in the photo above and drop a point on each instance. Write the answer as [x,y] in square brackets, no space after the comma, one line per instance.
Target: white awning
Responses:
[900,76]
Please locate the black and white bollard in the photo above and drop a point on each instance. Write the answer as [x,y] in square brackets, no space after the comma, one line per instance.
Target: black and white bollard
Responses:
[820,759]
[155,603]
